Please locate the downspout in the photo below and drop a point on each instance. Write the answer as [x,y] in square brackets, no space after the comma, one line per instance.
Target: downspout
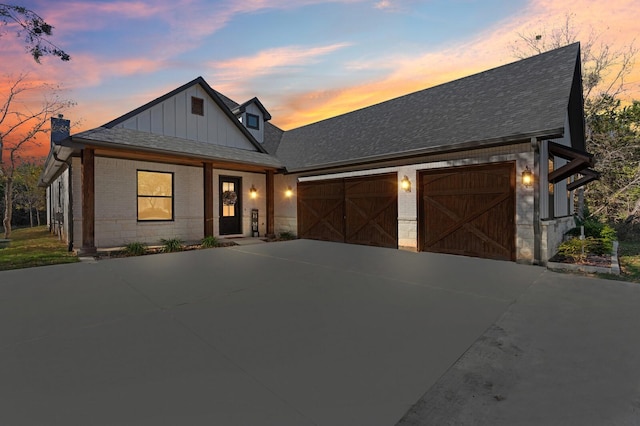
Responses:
[537,231]
[50,208]
[68,163]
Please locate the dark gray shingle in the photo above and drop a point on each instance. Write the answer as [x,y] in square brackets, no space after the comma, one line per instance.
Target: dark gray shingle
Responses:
[126,138]
[528,97]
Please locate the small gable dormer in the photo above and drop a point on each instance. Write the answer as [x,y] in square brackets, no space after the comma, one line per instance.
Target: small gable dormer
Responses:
[252,114]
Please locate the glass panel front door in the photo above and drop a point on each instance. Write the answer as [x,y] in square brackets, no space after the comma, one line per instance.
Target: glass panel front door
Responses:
[230,205]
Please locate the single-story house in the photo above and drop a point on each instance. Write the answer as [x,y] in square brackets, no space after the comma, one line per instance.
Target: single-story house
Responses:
[484,166]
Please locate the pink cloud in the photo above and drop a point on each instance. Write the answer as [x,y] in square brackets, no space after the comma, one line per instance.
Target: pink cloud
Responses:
[76,15]
[266,61]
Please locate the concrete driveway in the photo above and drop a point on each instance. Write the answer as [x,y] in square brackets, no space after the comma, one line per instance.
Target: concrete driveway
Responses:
[314,333]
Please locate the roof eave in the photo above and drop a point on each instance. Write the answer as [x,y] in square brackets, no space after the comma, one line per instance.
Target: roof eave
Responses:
[55,163]
[442,149]
[104,144]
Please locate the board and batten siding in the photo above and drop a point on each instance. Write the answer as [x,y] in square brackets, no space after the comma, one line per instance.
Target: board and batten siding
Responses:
[562,199]
[259,133]
[173,117]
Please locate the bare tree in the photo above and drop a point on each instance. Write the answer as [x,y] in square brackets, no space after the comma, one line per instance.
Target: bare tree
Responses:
[33,28]
[19,126]
[610,132]
[604,69]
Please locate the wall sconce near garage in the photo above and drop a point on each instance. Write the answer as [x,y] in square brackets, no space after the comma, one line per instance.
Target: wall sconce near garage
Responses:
[288,192]
[405,184]
[527,177]
[253,192]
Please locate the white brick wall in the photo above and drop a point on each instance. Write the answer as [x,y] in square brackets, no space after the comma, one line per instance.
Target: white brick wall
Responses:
[116,204]
[286,216]
[552,234]
[116,222]
[76,166]
[116,209]
[258,180]
[522,154]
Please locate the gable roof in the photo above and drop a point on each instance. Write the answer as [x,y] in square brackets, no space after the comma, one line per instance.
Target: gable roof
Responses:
[242,107]
[215,96]
[514,102]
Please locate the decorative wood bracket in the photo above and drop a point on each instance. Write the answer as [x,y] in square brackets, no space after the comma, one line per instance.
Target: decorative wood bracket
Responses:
[588,175]
[579,162]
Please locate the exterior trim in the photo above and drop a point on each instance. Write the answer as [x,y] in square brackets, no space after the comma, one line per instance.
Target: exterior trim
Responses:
[550,134]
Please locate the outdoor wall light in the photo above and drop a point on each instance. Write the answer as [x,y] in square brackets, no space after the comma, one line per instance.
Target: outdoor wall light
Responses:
[253,191]
[527,177]
[289,192]
[405,183]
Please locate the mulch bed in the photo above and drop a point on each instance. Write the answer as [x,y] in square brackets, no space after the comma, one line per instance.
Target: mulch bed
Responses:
[591,260]
[157,250]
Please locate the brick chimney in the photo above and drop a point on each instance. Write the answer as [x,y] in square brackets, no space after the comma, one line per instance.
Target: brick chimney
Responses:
[59,129]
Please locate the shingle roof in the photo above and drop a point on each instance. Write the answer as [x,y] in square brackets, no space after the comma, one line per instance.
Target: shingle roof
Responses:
[272,138]
[526,98]
[127,138]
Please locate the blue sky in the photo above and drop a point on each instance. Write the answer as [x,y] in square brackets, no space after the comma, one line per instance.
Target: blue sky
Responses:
[305,60]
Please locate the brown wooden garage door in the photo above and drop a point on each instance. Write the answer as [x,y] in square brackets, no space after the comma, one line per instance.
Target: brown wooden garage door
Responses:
[354,210]
[469,210]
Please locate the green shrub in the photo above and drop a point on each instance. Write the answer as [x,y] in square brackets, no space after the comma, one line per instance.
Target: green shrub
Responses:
[209,241]
[135,248]
[287,235]
[603,233]
[592,227]
[608,235]
[171,245]
[574,248]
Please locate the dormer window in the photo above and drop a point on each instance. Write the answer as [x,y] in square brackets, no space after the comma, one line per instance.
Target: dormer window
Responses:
[253,121]
[197,106]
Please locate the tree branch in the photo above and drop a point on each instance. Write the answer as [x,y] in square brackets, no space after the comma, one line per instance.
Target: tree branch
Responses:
[35,29]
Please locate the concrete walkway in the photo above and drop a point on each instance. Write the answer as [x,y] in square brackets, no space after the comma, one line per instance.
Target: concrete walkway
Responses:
[313,333]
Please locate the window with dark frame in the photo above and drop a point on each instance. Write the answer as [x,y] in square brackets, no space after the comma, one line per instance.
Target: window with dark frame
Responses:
[253,121]
[155,195]
[197,106]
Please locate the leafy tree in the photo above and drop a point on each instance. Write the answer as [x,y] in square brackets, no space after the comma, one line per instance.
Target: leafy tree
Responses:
[612,132]
[20,124]
[28,195]
[615,138]
[34,29]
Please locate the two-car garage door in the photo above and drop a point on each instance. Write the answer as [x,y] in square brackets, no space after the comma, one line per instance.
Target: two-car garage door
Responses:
[467,210]
[353,210]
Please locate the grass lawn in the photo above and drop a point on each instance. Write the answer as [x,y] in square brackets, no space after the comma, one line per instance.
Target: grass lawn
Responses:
[629,257]
[34,247]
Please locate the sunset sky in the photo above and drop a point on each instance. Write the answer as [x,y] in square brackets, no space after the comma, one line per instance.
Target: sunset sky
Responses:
[305,59]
